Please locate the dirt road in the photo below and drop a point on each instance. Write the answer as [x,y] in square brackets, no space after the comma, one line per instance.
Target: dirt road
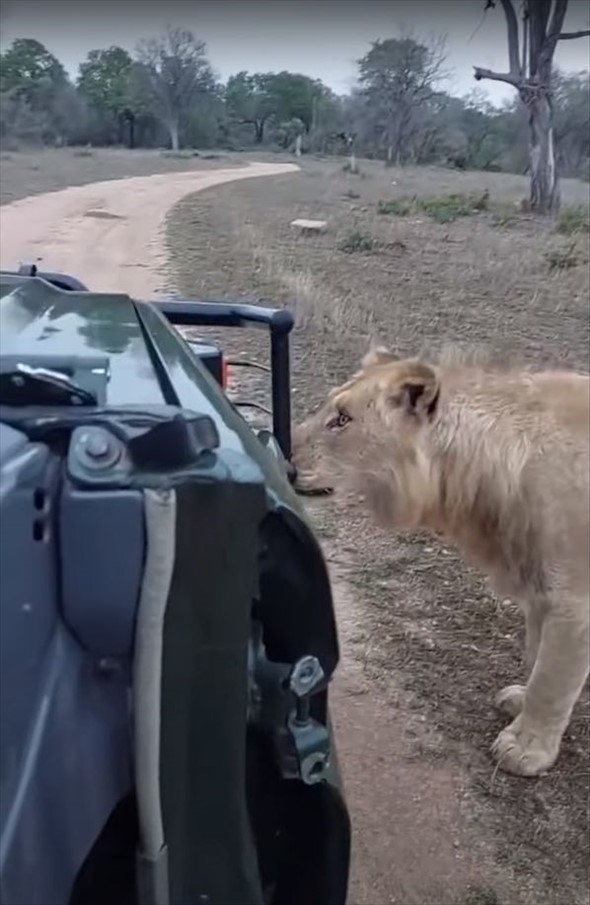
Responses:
[108,234]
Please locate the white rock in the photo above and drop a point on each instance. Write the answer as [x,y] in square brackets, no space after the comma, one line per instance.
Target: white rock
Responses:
[313,225]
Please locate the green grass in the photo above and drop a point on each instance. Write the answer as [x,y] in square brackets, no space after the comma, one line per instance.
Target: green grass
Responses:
[573,220]
[448,208]
[399,207]
[356,242]
[442,209]
[482,895]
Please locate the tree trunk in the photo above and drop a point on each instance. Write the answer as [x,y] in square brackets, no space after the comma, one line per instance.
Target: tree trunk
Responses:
[259,131]
[389,158]
[131,132]
[544,196]
[173,130]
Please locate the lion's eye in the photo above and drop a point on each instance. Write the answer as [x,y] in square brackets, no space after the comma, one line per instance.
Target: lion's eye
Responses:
[339,420]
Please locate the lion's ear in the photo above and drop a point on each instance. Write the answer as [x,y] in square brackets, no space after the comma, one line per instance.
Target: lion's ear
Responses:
[378,355]
[417,390]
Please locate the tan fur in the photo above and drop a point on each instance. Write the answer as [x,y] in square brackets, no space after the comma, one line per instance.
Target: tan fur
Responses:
[498,462]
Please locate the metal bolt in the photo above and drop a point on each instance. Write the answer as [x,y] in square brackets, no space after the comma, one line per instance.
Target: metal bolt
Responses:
[108,667]
[96,448]
[306,673]
[96,445]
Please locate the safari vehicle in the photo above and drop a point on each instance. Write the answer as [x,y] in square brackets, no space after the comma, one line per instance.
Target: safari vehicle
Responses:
[167,630]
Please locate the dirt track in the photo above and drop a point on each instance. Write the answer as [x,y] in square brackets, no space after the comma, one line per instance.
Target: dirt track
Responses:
[108,234]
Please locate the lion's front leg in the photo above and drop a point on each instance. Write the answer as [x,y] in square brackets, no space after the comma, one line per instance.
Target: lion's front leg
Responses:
[533,616]
[530,744]
[511,699]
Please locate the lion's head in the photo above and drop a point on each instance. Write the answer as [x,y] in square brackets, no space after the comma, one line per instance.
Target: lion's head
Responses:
[371,437]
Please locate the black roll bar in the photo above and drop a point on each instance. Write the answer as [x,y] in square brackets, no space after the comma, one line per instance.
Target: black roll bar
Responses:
[278,321]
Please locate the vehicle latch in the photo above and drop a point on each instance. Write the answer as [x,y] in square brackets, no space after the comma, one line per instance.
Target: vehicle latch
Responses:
[53,380]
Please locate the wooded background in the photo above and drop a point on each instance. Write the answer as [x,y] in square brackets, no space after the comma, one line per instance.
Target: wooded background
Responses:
[167,95]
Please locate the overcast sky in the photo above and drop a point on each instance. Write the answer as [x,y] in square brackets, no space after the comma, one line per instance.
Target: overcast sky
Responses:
[321,38]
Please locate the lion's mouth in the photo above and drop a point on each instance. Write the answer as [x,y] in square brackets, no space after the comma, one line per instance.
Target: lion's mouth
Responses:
[313,491]
[307,484]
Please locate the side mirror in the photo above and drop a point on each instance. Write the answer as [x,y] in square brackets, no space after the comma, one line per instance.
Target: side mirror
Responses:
[212,358]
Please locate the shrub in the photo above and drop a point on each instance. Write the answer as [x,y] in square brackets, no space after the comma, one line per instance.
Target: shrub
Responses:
[573,220]
[400,207]
[357,242]
[483,895]
[443,209]
[448,208]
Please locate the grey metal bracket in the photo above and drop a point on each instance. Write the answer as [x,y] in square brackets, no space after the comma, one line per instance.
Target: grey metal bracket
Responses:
[280,704]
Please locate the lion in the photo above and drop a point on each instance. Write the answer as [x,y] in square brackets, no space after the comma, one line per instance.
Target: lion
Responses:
[497,462]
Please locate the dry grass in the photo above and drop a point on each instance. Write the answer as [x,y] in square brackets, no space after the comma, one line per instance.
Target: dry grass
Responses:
[488,280]
[469,281]
[32,172]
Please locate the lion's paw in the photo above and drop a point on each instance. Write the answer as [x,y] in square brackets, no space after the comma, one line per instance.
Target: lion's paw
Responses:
[524,752]
[511,699]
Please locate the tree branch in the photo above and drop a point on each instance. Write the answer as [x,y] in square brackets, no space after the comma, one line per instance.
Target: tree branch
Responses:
[507,77]
[514,76]
[513,48]
[570,35]
[548,45]
[557,18]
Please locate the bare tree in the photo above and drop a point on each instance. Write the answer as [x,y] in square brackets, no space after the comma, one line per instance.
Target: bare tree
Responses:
[176,71]
[531,48]
[398,77]
[572,122]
